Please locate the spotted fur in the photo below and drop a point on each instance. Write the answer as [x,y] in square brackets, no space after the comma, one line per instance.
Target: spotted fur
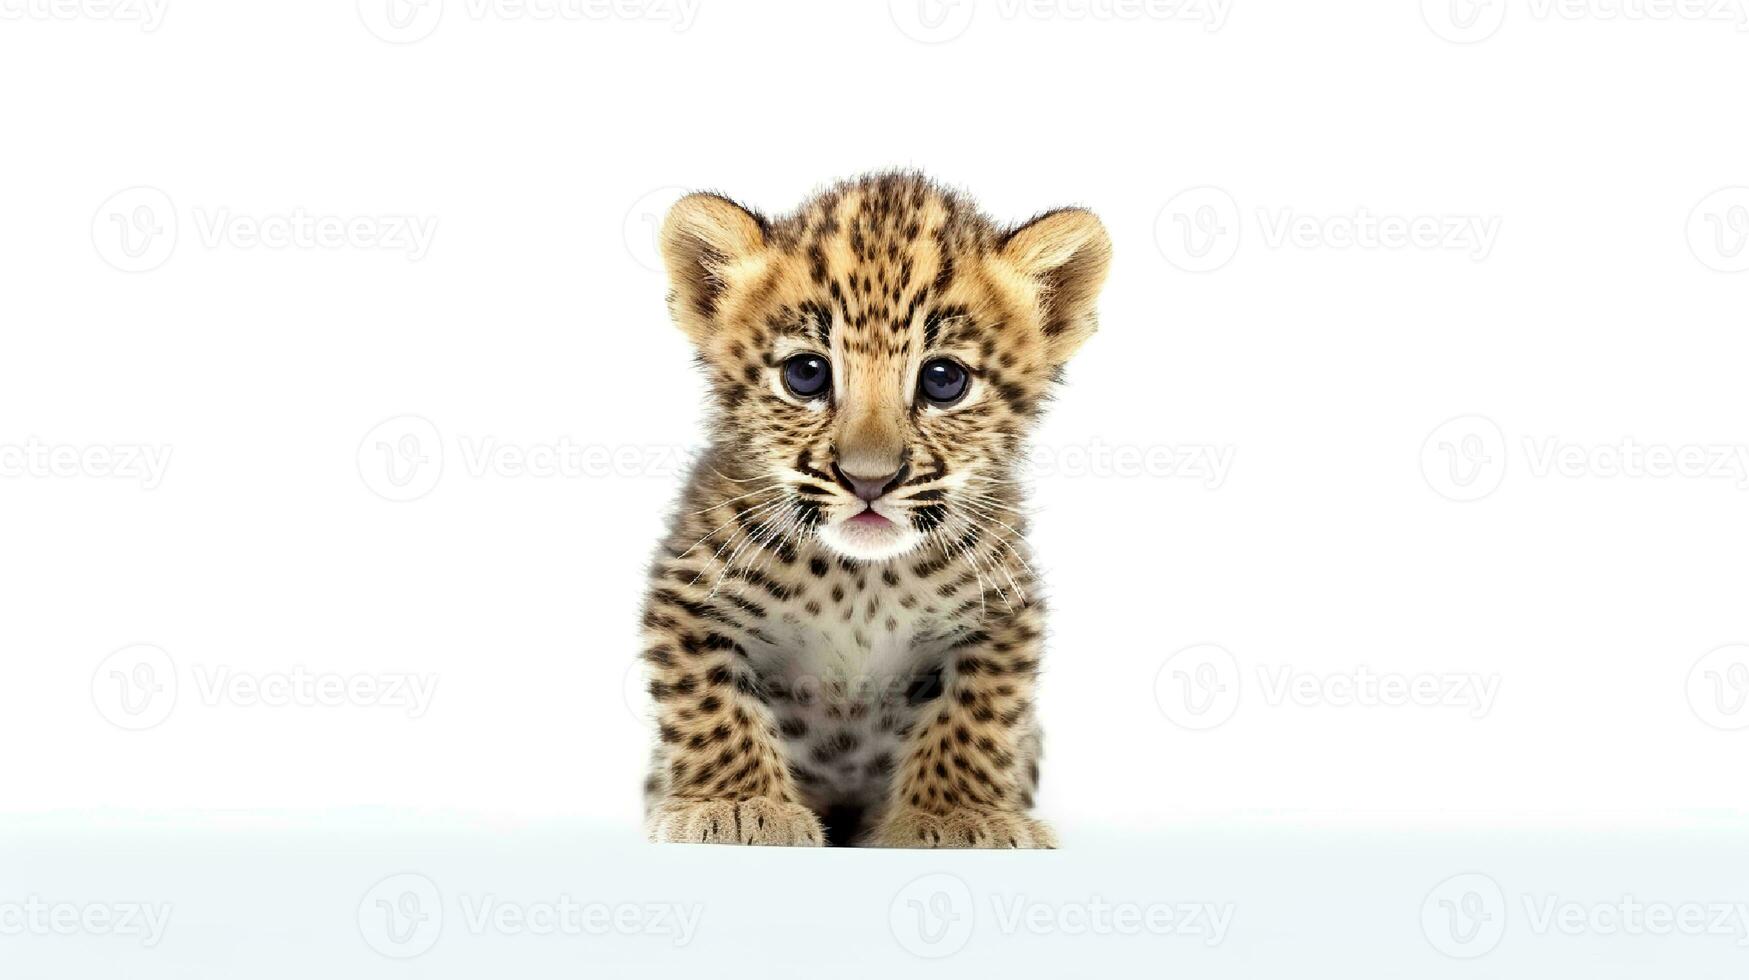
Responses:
[819,682]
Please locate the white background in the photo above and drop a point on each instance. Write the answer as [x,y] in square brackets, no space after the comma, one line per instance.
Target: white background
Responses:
[1591,163]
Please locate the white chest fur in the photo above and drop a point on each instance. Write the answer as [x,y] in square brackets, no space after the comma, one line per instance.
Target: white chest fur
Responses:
[845,690]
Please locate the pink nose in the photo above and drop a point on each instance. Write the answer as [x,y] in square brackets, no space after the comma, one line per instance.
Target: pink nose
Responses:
[870,488]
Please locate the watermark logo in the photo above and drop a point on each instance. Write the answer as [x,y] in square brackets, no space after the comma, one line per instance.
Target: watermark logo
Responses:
[1282,684]
[401,459]
[1718,230]
[1201,687]
[148,14]
[1628,458]
[33,916]
[409,21]
[1198,687]
[1471,21]
[135,229]
[401,916]
[1472,235]
[642,228]
[1718,688]
[138,687]
[1464,21]
[933,916]
[405,457]
[409,234]
[1198,229]
[1632,916]
[932,21]
[485,915]
[1464,916]
[300,687]
[135,688]
[1464,459]
[1097,917]
[634,688]
[939,21]
[1209,465]
[401,21]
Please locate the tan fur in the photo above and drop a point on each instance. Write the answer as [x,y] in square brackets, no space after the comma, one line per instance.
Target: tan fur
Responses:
[794,677]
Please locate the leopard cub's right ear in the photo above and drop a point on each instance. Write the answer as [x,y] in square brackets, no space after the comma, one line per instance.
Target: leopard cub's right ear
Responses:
[709,243]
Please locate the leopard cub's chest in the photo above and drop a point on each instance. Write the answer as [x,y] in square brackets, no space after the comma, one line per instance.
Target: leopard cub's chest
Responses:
[846,682]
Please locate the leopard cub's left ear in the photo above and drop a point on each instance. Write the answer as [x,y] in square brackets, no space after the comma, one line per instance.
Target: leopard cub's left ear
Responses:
[1067,253]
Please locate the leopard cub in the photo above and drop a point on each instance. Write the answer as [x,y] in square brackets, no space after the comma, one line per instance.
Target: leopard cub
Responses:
[842,629]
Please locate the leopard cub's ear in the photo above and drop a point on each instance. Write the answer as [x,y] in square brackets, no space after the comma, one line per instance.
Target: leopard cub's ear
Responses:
[1066,254]
[707,242]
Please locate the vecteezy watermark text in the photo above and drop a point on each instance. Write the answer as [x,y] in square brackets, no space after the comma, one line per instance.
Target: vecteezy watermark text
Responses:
[934,916]
[139,686]
[565,916]
[403,916]
[408,21]
[36,459]
[1201,687]
[1200,229]
[301,228]
[1471,21]
[1466,916]
[940,21]
[1209,465]
[138,229]
[300,687]
[144,921]
[148,14]
[403,458]
[1467,458]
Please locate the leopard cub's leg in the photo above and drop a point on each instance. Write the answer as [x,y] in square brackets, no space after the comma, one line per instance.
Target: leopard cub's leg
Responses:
[719,775]
[971,763]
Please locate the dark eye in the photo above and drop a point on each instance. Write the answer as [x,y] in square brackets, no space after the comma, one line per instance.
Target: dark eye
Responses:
[943,382]
[807,375]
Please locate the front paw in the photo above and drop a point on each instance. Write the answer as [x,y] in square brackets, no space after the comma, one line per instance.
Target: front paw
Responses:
[755,821]
[963,828]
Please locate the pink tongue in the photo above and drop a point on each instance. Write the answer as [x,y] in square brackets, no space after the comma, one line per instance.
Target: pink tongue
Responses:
[870,517]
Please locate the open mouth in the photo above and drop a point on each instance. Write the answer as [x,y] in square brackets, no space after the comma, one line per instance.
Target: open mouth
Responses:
[868,518]
[868,535]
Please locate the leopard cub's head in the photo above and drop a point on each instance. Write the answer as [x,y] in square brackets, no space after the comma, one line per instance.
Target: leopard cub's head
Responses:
[878,357]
